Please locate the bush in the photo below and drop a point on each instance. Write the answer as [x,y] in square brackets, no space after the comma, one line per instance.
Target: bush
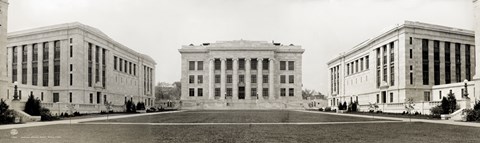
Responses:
[334,110]
[320,109]
[437,110]
[352,107]
[140,106]
[32,106]
[445,106]
[152,109]
[131,107]
[6,116]
[46,115]
[378,111]
[328,109]
[473,115]
[76,113]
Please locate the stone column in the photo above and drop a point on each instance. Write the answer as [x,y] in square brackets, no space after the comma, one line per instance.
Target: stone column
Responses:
[223,79]
[235,79]
[248,78]
[259,79]
[211,79]
[271,76]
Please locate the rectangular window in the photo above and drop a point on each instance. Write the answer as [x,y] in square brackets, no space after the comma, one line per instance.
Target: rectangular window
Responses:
[411,53]
[378,98]
[425,62]
[91,98]
[115,62]
[24,64]
[283,91]
[135,69]
[426,95]
[71,79]
[241,78]
[41,96]
[200,79]
[291,79]
[356,66]
[458,63]
[126,66]
[217,92]
[448,77]
[361,64]
[71,51]
[265,92]
[56,64]
[411,78]
[282,79]
[129,67]
[291,92]
[283,65]
[229,92]
[229,78]
[254,92]
[120,64]
[467,63]
[229,64]
[367,62]
[200,65]
[254,79]
[348,69]
[191,79]
[265,79]
[241,64]
[70,97]
[392,75]
[253,64]
[411,40]
[291,65]
[191,65]
[200,91]
[90,65]
[14,64]
[384,54]
[440,94]
[35,52]
[217,78]
[391,97]
[436,62]
[392,52]
[56,98]
[192,92]
[34,64]
[265,63]
[218,64]
[98,97]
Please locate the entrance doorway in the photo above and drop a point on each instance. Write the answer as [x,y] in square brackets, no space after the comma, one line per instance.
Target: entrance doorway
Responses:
[241,92]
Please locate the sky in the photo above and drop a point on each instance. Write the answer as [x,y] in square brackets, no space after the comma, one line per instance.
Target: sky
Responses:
[158,28]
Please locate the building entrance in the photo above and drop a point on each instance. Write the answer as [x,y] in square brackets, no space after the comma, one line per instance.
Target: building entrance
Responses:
[241,92]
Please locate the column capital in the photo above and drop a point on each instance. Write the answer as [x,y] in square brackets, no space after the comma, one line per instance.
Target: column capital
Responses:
[211,59]
[248,59]
[259,59]
[223,59]
[235,59]
[271,59]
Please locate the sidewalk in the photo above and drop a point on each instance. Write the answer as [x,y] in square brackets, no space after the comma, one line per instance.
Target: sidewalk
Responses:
[76,121]
[449,122]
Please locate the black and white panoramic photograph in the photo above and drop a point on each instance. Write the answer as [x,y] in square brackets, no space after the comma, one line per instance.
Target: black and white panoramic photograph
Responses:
[239,71]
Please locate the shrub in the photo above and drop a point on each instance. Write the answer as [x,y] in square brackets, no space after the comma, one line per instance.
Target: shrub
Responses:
[32,106]
[452,102]
[46,115]
[6,116]
[76,113]
[328,109]
[334,110]
[352,107]
[320,109]
[437,110]
[140,106]
[131,107]
[379,111]
[473,115]
[371,111]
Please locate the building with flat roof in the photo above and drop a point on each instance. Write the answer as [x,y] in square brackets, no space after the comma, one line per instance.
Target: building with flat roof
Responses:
[77,64]
[3,43]
[413,60]
[241,74]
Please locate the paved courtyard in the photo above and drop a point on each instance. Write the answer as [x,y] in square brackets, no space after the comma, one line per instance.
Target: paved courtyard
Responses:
[244,126]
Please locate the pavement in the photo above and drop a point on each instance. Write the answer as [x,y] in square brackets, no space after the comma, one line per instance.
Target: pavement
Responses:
[76,121]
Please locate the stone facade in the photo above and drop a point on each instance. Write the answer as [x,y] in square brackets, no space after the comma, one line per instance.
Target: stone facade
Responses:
[230,71]
[83,67]
[390,67]
[3,43]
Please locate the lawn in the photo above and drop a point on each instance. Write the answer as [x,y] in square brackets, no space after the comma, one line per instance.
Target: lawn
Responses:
[241,116]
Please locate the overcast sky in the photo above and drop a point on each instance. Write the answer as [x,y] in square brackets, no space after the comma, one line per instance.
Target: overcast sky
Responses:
[158,28]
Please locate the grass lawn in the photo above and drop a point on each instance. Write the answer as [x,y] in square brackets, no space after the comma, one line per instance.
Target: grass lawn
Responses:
[241,116]
[430,117]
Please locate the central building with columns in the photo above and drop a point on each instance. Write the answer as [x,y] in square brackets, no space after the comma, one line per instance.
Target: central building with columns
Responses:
[241,74]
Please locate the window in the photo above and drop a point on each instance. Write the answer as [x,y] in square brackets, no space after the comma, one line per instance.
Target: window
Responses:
[241,78]
[348,69]
[356,66]
[105,99]
[282,79]
[129,67]
[91,98]
[191,79]
[229,64]
[41,96]
[217,78]
[98,97]
[384,54]
[378,98]
[291,65]
[392,75]
[254,92]
[411,78]
[254,79]
[200,65]
[229,78]
[411,40]
[425,67]
[192,92]
[265,92]
[191,65]
[70,98]
[361,64]
[34,64]
[24,64]
[392,52]
[448,77]
[200,91]
[90,68]
[283,91]
[71,79]
[458,63]
[217,64]
[56,98]
[217,91]
[253,64]
[283,65]
[391,97]
[71,51]
[290,92]
[265,64]
[14,64]
[290,79]
[467,63]
[426,95]
[265,79]
[229,92]
[200,79]
[411,53]
[367,63]
[440,94]
[241,64]
[436,62]
[135,69]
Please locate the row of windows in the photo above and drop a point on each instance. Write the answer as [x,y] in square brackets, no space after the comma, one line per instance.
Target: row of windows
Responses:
[124,66]
[283,79]
[191,65]
[283,65]
[191,79]
[242,79]
[335,79]
[283,92]
[253,92]
[34,65]
[147,79]
[97,65]
[241,64]
[353,67]
[383,64]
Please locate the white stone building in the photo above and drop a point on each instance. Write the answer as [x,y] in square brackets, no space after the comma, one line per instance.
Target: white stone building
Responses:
[3,43]
[415,60]
[241,74]
[77,64]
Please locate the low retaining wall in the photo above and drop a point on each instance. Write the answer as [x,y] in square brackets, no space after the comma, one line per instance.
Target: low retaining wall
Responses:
[240,104]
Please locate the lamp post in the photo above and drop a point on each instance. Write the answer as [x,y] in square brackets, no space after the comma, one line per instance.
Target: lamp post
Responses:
[466,89]
[15,89]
